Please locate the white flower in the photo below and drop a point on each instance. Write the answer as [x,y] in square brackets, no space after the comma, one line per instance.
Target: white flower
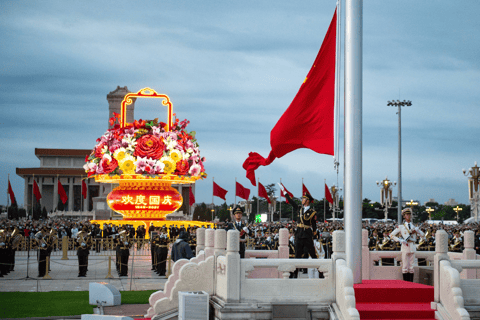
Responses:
[195,170]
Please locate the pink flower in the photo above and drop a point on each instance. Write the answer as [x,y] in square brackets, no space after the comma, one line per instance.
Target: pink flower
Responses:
[195,170]
[140,164]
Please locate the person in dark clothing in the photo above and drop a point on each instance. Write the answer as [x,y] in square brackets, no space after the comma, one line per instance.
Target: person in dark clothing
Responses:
[306,227]
[181,248]
[240,227]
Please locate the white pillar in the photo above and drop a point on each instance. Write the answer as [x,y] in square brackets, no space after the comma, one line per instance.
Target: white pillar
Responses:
[200,239]
[353,136]
[283,251]
[469,253]
[233,268]
[365,256]
[209,242]
[220,242]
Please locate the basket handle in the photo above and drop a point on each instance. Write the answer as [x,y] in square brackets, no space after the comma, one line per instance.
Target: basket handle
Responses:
[145,93]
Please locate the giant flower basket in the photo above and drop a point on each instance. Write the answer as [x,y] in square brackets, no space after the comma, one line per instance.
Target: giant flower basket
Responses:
[145,158]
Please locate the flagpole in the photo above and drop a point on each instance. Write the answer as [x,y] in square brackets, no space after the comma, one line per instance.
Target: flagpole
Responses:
[235,190]
[8,175]
[213,205]
[353,136]
[280,202]
[81,206]
[324,201]
[32,193]
[258,200]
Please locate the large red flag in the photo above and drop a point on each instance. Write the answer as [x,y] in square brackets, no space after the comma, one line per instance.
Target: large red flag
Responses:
[262,192]
[36,191]
[191,198]
[328,195]
[61,192]
[12,195]
[305,190]
[286,190]
[309,120]
[219,191]
[241,191]
[283,195]
[84,189]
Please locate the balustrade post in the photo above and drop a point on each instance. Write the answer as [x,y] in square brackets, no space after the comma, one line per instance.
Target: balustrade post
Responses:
[47,266]
[209,243]
[469,252]
[283,252]
[220,242]
[233,267]
[200,240]
[65,248]
[441,253]
[366,263]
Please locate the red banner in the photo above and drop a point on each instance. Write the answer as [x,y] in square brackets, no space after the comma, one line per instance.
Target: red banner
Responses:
[241,191]
[62,193]
[219,191]
[36,191]
[12,195]
[191,198]
[262,192]
[84,189]
[305,190]
[328,195]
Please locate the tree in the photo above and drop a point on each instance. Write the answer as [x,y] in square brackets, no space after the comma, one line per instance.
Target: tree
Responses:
[37,211]
[44,213]
[201,213]
[60,205]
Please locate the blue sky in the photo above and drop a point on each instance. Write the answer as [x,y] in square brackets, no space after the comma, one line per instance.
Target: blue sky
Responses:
[232,68]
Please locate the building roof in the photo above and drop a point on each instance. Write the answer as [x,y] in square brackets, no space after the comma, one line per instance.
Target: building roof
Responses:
[62,152]
[51,171]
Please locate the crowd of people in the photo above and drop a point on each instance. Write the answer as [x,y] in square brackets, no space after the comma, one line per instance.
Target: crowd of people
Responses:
[307,238]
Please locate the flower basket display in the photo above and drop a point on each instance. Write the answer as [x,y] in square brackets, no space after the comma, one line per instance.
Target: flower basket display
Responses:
[145,157]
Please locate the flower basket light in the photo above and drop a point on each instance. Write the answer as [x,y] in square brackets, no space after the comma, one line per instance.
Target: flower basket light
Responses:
[145,158]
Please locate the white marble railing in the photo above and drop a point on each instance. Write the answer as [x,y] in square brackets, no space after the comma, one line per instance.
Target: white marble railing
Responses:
[344,292]
[456,286]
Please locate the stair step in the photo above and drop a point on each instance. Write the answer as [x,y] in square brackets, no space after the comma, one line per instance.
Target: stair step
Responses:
[392,291]
[395,310]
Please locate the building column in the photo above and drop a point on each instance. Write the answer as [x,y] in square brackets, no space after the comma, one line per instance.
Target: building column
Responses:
[25,195]
[70,193]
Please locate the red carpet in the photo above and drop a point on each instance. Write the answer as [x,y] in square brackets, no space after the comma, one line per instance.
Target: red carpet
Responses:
[393,299]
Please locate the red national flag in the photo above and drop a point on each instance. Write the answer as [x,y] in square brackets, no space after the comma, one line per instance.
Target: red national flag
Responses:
[283,195]
[262,192]
[328,195]
[305,190]
[36,191]
[84,189]
[191,198]
[12,195]
[61,192]
[309,120]
[286,190]
[219,191]
[241,192]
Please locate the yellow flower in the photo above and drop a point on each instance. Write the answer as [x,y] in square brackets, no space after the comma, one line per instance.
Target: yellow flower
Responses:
[119,154]
[170,165]
[176,155]
[127,165]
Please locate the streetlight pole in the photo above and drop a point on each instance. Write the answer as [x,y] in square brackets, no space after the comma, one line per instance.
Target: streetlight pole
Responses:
[386,194]
[429,210]
[399,104]
[456,209]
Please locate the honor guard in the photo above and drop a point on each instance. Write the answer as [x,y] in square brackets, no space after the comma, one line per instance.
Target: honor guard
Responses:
[124,252]
[241,227]
[83,243]
[162,254]
[43,248]
[407,235]
[306,226]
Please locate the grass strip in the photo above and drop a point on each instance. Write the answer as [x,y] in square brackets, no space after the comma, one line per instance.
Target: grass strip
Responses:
[57,303]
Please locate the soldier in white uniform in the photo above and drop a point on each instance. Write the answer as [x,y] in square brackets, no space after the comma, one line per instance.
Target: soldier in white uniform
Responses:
[407,235]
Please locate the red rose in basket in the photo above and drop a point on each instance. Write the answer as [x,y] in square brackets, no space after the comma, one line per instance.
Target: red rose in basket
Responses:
[182,168]
[107,165]
[149,146]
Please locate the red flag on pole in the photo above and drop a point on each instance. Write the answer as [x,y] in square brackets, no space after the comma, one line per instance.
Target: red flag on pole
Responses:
[84,189]
[241,192]
[283,195]
[36,191]
[219,191]
[12,195]
[309,120]
[61,192]
[328,195]
[305,190]
[262,192]
[286,190]
[191,198]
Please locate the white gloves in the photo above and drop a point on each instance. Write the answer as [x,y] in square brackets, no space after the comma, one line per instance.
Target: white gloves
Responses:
[281,187]
[245,229]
